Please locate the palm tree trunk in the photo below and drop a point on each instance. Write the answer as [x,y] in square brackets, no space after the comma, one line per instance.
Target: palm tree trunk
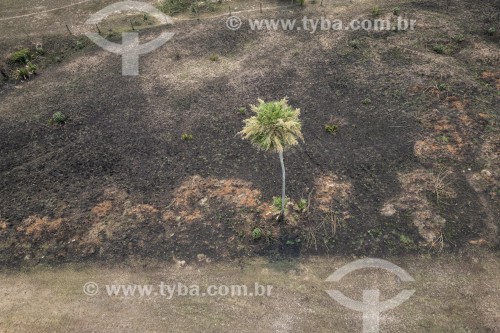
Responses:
[282,215]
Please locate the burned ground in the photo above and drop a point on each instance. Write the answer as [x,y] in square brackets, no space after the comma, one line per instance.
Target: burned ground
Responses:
[107,183]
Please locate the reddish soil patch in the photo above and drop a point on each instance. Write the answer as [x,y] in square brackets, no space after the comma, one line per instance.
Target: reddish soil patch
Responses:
[331,191]
[102,208]
[491,77]
[417,185]
[35,227]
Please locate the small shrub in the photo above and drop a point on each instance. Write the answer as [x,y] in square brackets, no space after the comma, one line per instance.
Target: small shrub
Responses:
[405,240]
[443,139]
[376,11]
[172,7]
[331,128]
[439,48]
[194,10]
[256,233]
[396,11]
[242,110]
[302,205]
[458,38]
[39,50]
[442,86]
[187,137]
[31,68]
[277,202]
[355,43]
[111,34]
[79,45]
[301,2]
[292,242]
[366,101]
[22,73]
[58,118]
[21,57]
[214,57]
[375,233]
[491,31]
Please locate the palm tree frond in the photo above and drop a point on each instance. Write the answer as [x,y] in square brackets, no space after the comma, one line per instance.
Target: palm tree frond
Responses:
[275,127]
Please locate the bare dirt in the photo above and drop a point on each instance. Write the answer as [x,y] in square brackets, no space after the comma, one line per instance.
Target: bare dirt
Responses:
[452,294]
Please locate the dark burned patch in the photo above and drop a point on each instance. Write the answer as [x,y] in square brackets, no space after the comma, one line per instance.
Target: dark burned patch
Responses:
[208,218]
[125,133]
[397,57]
[430,4]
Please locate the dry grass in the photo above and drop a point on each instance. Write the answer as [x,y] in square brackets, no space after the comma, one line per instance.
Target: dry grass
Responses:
[142,209]
[197,190]
[102,208]
[35,226]
[3,225]
[440,186]
[415,187]
[492,78]
[331,191]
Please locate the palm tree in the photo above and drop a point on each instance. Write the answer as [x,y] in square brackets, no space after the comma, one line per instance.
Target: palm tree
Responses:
[275,127]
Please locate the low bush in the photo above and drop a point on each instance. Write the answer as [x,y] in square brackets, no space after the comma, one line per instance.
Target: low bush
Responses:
[21,57]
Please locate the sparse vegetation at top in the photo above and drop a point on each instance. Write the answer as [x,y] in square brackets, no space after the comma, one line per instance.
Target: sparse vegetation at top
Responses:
[172,7]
